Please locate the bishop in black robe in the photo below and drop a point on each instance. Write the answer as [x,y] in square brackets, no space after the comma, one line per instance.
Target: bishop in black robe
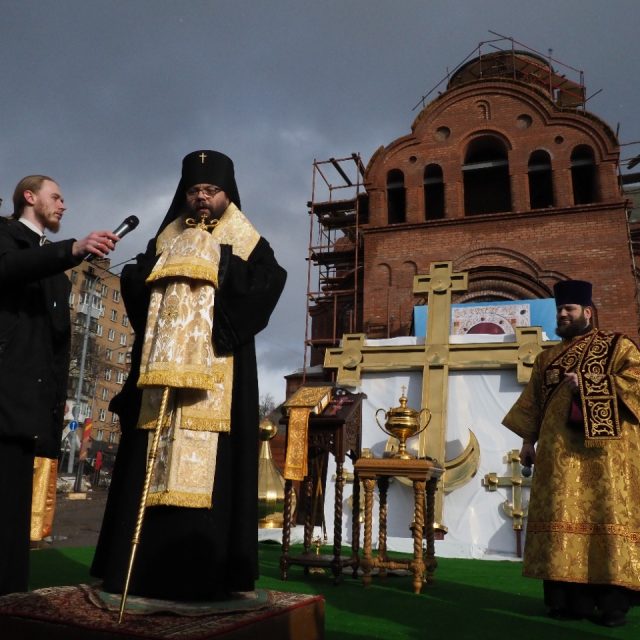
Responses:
[194,553]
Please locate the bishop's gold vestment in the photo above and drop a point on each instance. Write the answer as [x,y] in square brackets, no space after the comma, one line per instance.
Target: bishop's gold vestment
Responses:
[178,353]
[584,518]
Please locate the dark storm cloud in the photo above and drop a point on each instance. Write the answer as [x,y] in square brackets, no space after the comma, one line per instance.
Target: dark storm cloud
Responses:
[107,96]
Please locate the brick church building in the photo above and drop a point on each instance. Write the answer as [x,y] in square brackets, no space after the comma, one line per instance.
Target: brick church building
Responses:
[506,175]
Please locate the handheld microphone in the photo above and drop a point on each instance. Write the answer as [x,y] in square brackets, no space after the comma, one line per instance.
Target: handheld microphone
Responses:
[127,225]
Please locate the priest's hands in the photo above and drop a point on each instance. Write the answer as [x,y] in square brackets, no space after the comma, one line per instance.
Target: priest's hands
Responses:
[527,454]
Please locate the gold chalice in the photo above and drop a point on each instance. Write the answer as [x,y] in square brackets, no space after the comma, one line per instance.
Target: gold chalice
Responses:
[403,422]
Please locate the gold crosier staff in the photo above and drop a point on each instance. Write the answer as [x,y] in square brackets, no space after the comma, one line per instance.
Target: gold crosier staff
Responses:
[143,501]
[135,541]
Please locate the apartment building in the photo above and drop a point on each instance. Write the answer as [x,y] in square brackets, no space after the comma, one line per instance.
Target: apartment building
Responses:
[100,349]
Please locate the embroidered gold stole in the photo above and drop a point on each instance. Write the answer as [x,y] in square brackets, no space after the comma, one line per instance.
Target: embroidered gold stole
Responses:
[178,353]
[591,357]
[305,401]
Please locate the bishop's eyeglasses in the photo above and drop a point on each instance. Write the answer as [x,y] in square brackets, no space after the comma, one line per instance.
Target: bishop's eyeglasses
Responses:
[209,192]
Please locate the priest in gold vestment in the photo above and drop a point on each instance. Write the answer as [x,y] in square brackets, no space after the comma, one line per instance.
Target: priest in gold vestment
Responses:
[579,420]
[196,299]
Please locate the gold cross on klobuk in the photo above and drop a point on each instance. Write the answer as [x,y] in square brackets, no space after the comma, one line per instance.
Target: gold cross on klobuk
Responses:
[436,358]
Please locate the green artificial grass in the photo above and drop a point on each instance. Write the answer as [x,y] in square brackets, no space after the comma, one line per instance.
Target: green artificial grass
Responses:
[475,599]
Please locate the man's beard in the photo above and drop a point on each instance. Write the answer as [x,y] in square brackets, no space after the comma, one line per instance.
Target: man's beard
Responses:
[49,222]
[52,225]
[197,210]
[574,328]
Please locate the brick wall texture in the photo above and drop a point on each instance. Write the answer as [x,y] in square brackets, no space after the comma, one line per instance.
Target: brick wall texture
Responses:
[521,251]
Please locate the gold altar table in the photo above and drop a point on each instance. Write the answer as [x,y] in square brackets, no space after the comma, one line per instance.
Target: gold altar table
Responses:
[424,475]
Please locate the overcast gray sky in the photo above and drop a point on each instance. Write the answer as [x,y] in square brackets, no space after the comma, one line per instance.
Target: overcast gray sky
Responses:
[108,96]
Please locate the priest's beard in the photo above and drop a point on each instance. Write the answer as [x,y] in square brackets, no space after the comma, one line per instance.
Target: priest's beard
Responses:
[573,328]
[214,207]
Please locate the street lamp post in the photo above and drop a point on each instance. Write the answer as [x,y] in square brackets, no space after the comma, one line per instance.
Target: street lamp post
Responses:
[83,356]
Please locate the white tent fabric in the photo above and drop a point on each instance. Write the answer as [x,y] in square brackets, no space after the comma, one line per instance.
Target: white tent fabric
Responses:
[477,401]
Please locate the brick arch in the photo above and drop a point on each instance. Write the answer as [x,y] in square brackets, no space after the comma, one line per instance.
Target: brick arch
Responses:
[502,283]
[383,276]
[484,132]
[484,107]
[498,255]
[540,179]
[408,267]
[504,274]
[486,177]
[584,173]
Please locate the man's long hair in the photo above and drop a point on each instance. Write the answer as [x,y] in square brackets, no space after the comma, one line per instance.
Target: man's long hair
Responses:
[28,183]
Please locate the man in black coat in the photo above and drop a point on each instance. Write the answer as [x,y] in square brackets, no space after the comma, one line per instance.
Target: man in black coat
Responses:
[202,553]
[34,354]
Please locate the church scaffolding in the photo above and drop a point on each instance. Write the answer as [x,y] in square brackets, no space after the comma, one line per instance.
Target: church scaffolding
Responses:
[337,208]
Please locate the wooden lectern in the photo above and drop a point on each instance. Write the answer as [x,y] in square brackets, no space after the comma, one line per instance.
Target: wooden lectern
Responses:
[336,430]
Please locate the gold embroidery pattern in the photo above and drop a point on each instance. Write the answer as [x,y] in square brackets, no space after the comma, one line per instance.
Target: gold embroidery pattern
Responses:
[233,229]
[591,357]
[565,362]
[178,353]
[184,472]
[301,404]
[585,528]
[196,409]
[177,350]
[597,389]
[316,398]
[179,499]
[296,462]
[236,230]
[552,377]
[182,271]
[169,313]
[189,254]
[189,380]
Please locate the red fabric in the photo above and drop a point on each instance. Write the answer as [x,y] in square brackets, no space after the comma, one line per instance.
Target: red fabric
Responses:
[576,418]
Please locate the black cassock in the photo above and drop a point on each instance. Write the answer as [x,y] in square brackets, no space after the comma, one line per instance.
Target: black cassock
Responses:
[184,553]
[35,334]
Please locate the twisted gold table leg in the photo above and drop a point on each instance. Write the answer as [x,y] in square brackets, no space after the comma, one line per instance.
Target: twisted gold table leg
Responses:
[367,558]
[418,528]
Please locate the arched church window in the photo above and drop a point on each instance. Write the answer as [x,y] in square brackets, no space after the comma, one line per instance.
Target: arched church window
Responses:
[487,186]
[583,175]
[540,180]
[433,192]
[396,197]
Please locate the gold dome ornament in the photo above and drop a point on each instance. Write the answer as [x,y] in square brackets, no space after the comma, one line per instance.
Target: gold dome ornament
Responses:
[270,482]
[403,422]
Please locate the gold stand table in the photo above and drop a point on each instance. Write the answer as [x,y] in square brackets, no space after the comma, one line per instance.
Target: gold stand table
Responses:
[424,475]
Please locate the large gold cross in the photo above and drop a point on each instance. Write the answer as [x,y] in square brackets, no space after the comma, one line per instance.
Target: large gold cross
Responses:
[436,358]
[438,285]
[203,157]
